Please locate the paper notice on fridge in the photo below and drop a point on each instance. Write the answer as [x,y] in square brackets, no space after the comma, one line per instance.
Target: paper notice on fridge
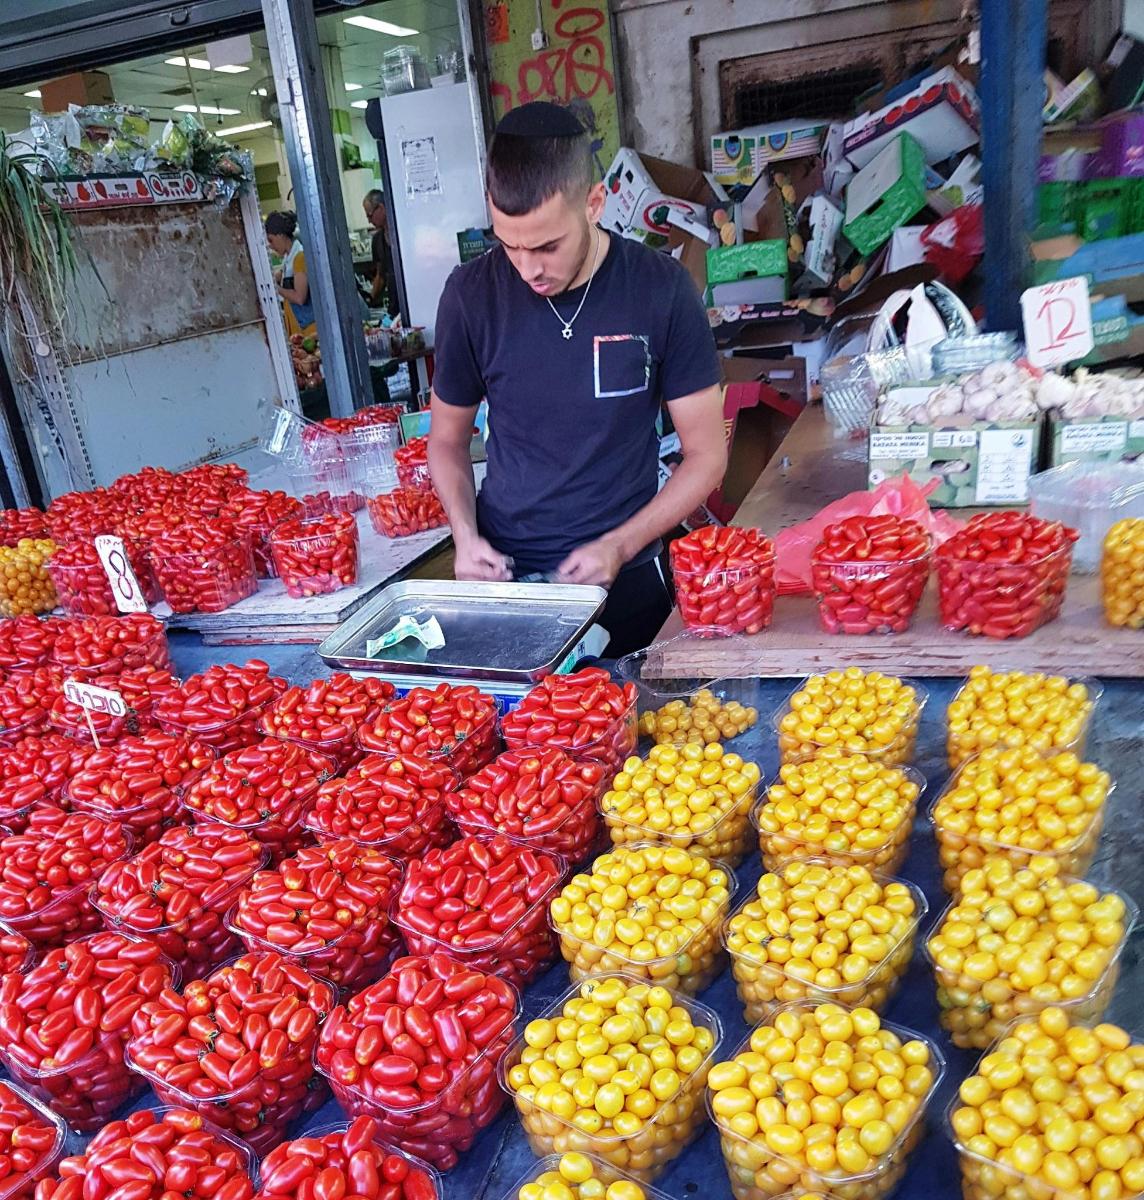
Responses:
[422,174]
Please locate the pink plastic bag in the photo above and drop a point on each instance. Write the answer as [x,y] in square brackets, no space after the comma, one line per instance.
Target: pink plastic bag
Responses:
[900,496]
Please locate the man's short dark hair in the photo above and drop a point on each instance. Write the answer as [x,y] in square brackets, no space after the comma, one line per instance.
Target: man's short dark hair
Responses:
[523,172]
[373,198]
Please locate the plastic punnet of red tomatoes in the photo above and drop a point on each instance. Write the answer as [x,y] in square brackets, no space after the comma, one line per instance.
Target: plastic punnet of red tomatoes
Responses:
[138,782]
[724,578]
[1004,574]
[405,511]
[110,645]
[584,714]
[221,706]
[455,725]
[344,1161]
[155,1154]
[869,573]
[47,871]
[257,513]
[26,700]
[418,1052]
[484,901]
[263,789]
[392,804]
[64,1023]
[27,641]
[237,1046]
[18,523]
[177,890]
[538,796]
[33,771]
[31,1142]
[204,567]
[325,909]
[325,714]
[139,688]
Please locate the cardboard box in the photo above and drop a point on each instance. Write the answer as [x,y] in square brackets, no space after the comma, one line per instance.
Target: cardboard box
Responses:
[1070,154]
[1122,146]
[962,187]
[821,258]
[1117,331]
[753,273]
[779,323]
[1124,87]
[885,194]
[739,156]
[942,114]
[641,191]
[1099,439]
[906,248]
[1078,100]
[761,400]
[977,464]
[84,87]
[1114,266]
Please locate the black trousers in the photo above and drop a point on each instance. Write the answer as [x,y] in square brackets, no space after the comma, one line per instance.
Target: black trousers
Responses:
[638,604]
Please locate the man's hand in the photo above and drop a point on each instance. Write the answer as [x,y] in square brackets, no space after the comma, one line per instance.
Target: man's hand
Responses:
[476,559]
[596,562]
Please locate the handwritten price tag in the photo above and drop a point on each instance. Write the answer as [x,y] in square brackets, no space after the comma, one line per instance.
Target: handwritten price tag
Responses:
[1058,322]
[95,699]
[124,586]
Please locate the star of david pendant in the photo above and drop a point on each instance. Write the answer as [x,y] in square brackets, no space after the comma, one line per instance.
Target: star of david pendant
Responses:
[566,333]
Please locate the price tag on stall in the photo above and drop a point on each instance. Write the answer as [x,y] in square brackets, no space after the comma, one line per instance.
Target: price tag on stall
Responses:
[1058,322]
[124,586]
[94,699]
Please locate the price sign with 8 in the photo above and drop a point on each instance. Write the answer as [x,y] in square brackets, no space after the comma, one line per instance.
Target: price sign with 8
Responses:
[124,586]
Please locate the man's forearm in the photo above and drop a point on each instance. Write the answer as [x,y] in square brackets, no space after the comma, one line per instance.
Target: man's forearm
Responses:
[690,484]
[452,473]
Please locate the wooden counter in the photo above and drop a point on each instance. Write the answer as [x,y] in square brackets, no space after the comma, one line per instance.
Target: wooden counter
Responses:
[812,468]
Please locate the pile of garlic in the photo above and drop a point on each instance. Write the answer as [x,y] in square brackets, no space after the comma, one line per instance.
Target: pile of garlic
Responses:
[1087,396]
[1002,391]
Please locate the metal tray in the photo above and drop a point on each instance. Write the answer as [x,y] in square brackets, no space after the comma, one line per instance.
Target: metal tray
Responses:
[513,632]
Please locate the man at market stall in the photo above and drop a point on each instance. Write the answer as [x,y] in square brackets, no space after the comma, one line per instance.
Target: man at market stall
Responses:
[576,338]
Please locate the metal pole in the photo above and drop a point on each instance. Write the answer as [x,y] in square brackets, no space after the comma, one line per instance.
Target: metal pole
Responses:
[292,37]
[1014,34]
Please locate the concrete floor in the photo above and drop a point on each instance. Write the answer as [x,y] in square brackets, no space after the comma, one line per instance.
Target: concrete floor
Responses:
[502,1157]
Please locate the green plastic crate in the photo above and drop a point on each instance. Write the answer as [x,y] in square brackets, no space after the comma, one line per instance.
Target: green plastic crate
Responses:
[1095,208]
[900,199]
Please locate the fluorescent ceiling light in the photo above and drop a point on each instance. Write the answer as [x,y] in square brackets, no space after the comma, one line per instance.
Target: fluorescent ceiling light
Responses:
[354,87]
[34,94]
[359,104]
[381,26]
[208,110]
[259,92]
[231,69]
[237,129]
[199,64]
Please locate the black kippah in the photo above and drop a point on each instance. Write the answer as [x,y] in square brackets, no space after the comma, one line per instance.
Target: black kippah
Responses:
[540,119]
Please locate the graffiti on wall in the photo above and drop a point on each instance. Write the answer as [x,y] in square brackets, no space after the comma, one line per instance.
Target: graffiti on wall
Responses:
[576,68]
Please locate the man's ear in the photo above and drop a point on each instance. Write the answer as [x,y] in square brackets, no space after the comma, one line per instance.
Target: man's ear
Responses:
[595,206]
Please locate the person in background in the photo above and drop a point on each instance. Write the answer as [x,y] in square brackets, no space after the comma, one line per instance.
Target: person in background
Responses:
[292,284]
[384,276]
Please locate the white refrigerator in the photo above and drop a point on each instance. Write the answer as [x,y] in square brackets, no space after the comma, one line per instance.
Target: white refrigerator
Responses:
[435,148]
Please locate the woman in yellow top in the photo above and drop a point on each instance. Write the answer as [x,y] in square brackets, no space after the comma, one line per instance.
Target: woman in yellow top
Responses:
[293,286]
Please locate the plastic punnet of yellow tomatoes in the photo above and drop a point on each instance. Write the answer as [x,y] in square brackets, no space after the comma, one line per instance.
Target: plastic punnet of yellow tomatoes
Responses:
[824,1099]
[701,718]
[652,912]
[1054,1111]
[853,810]
[694,797]
[850,711]
[1122,573]
[825,933]
[1018,803]
[1013,708]
[25,586]
[614,1068]
[1017,940]
[577,1176]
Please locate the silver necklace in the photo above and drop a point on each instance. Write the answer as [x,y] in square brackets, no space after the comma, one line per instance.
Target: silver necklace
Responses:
[566,331]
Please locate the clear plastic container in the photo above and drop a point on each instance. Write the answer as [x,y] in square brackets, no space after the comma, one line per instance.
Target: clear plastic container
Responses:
[975,1013]
[403,70]
[403,512]
[763,987]
[869,597]
[1088,497]
[778,847]
[756,1173]
[741,599]
[427,827]
[666,1133]
[208,581]
[519,953]
[222,736]
[689,971]
[958,853]
[368,452]
[320,558]
[601,1170]
[616,742]
[464,756]
[439,1129]
[963,744]
[21,1186]
[849,393]
[1001,600]
[897,752]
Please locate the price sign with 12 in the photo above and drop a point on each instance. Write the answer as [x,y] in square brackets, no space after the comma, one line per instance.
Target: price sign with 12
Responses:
[1058,322]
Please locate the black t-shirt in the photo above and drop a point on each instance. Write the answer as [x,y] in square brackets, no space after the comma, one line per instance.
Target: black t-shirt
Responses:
[572,448]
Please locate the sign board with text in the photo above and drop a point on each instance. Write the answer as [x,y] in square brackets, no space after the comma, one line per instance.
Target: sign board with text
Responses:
[1058,322]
